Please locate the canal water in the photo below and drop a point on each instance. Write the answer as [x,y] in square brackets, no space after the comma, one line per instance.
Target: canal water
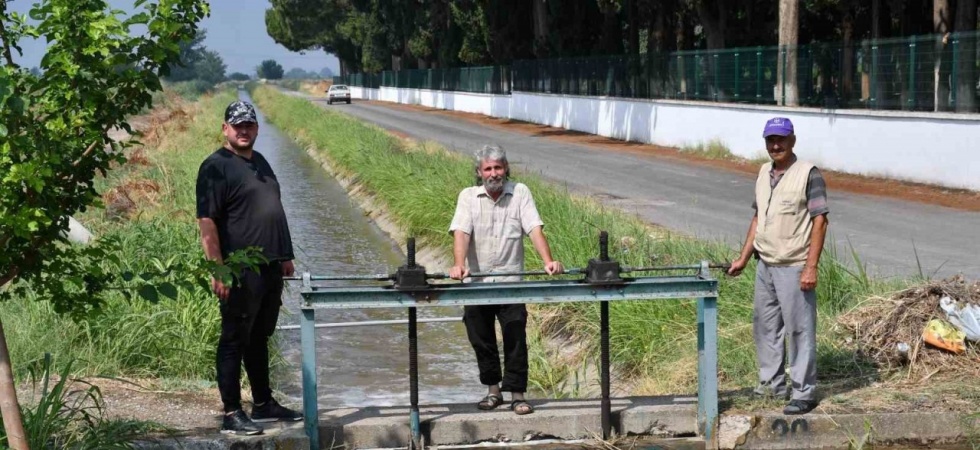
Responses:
[366,365]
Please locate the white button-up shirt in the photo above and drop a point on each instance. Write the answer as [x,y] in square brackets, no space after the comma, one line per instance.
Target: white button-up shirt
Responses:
[496,228]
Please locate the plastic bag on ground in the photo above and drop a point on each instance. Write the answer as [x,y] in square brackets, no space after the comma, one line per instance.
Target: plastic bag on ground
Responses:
[964,316]
[941,334]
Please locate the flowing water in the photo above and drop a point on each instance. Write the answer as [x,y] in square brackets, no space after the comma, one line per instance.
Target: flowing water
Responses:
[366,365]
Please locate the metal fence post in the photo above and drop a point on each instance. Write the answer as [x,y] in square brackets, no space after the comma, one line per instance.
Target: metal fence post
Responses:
[738,75]
[911,101]
[714,71]
[697,70]
[782,53]
[955,74]
[758,74]
[310,405]
[708,369]
[873,100]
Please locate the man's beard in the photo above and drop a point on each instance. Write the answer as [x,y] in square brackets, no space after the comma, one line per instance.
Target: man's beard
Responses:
[234,144]
[495,184]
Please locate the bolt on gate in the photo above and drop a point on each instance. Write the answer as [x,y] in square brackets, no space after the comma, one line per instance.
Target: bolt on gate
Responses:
[603,282]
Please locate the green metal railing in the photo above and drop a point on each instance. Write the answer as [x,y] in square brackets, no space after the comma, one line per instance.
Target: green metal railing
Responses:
[918,73]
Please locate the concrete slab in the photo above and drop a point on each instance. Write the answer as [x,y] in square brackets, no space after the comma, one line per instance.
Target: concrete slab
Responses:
[861,430]
[563,420]
[552,419]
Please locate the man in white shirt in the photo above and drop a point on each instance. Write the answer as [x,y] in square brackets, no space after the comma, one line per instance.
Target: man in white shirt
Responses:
[488,228]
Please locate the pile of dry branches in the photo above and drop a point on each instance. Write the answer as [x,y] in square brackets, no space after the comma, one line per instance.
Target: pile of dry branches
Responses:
[881,324]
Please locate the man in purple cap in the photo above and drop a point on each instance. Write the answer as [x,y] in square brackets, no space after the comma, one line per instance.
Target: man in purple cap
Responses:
[786,235]
[239,206]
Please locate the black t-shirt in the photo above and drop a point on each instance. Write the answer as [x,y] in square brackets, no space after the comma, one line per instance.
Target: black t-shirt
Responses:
[242,197]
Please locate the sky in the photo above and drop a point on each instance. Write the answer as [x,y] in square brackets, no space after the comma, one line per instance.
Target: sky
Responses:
[235,29]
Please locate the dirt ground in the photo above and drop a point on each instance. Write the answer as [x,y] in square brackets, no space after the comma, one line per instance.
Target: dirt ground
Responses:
[962,199]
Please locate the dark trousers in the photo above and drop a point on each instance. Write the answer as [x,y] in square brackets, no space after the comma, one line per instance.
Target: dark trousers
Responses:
[483,336]
[248,319]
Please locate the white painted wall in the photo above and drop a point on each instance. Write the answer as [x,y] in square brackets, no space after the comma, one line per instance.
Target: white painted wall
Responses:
[925,147]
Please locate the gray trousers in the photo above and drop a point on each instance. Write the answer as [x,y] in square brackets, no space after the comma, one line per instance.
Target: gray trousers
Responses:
[784,312]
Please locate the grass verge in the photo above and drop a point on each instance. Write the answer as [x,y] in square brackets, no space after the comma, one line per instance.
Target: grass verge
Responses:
[654,342]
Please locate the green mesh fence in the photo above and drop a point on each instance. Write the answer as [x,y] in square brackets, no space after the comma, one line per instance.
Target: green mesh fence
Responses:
[919,73]
[487,80]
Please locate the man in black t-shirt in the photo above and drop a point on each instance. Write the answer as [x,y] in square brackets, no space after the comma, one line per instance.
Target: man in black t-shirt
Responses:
[239,206]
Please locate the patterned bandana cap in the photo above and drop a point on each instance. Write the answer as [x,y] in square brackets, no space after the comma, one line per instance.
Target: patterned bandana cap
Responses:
[240,112]
[778,126]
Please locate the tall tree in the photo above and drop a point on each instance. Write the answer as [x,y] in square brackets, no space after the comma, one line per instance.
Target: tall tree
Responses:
[541,29]
[269,69]
[210,67]
[190,53]
[96,72]
[612,30]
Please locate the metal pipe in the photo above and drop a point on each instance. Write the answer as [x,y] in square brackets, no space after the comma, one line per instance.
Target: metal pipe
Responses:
[604,363]
[678,267]
[367,323]
[413,375]
[377,277]
[443,276]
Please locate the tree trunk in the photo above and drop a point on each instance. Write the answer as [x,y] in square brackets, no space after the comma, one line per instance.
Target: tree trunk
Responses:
[966,55]
[540,9]
[712,14]
[681,84]
[657,52]
[941,25]
[9,408]
[789,31]
[634,29]
[847,63]
[612,38]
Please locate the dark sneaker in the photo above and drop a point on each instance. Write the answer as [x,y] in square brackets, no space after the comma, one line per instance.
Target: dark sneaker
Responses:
[272,411]
[239,424]
[799,407]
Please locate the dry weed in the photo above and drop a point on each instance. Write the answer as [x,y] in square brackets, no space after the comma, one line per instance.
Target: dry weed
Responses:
[879,325]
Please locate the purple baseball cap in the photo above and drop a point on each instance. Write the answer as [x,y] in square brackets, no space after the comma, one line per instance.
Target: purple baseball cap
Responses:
[778,126]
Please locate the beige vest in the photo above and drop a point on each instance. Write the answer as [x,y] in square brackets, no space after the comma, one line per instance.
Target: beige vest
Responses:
[782,236]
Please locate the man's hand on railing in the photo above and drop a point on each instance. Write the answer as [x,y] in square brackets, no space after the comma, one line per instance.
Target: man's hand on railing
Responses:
[553,268]
[458,272]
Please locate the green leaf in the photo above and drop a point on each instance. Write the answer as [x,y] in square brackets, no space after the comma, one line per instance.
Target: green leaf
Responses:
[168,290]
[128,276]
[149,292]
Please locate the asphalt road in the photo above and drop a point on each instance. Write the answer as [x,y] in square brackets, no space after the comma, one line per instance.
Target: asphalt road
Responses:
[888,235]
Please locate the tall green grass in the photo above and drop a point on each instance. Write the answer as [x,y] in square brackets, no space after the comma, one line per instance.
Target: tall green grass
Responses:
[171,339]
[655,340]
[66,414]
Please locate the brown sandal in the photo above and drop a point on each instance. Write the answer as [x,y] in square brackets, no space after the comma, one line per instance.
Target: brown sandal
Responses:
[489,402]
[521,407]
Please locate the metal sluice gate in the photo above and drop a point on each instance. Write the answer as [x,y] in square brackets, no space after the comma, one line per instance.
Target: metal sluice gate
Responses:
[603,282]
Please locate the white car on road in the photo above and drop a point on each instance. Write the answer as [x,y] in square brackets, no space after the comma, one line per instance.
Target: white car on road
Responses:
[338,93]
